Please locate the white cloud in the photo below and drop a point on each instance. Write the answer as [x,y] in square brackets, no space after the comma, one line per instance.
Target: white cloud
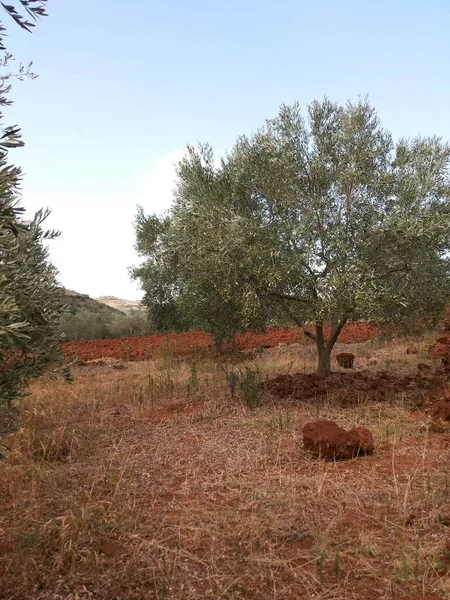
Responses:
[96,246]
[159,182]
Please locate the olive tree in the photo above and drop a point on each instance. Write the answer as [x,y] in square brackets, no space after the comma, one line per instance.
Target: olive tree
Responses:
[132,324]
[319,216]
[31,301]
[30,340]
[184,276]
[158,275]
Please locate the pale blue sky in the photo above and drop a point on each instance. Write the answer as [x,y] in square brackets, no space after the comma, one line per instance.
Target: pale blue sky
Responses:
[124,86]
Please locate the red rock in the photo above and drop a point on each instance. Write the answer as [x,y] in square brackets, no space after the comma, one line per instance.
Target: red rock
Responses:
[361,439]
[412,350]
[326,439]
[442,410]
[345,360]
[423,367]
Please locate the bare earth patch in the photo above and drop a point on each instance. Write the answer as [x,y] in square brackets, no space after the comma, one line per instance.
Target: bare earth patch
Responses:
[158,481]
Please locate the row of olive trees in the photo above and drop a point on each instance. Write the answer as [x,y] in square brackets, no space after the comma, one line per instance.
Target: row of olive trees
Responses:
[31,300]
[88,325]
[319,218]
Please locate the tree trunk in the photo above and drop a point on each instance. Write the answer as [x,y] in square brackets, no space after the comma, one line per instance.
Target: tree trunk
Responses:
[324,362]
[323,352]
[324,349]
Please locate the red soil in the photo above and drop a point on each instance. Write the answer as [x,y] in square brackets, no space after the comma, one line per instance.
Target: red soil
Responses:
[184,344]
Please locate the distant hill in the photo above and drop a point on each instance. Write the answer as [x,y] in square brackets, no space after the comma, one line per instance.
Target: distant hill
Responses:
[77,302]
[124,306]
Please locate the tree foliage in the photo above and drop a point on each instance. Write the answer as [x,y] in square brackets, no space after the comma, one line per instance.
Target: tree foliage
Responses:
[319,217]
[188,286]
[88,325]
[21,13]
[29,337]
[31,301]
[158,276]
[132,324]
[84,325]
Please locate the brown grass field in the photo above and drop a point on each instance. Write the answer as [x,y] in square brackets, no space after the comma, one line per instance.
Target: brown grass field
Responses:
[156,481]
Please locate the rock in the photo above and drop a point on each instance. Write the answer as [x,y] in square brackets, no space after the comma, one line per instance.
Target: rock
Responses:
[345,360]
[441,410]
[422,367]
[412,350]
[361,439]
[326,439]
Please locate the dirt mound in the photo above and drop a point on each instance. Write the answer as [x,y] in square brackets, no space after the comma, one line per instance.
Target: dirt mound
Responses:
[345,360]
[441,349]
[350,389]
[197,342]
[325,439]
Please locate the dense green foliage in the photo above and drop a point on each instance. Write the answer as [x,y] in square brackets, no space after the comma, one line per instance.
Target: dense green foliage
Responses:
[158,276]
[320,218]
[30,339]
[31,301]
[198,293]
[89,325]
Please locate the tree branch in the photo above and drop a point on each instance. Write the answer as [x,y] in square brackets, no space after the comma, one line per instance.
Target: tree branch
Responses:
[299,323]
[305,330]
[336,327]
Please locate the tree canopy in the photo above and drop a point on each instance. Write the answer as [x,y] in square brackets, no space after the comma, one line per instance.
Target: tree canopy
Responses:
[31,300]
[319,216]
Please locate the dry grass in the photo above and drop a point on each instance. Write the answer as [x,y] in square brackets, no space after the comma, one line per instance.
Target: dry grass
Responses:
[154,482]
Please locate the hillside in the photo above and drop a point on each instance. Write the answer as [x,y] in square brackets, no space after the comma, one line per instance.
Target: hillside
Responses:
[125,306]
[77,302]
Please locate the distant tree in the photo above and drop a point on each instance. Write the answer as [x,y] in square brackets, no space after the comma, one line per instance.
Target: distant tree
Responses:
[85,325]
[133,324]
[321,218]
[189,286]
[158,276]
